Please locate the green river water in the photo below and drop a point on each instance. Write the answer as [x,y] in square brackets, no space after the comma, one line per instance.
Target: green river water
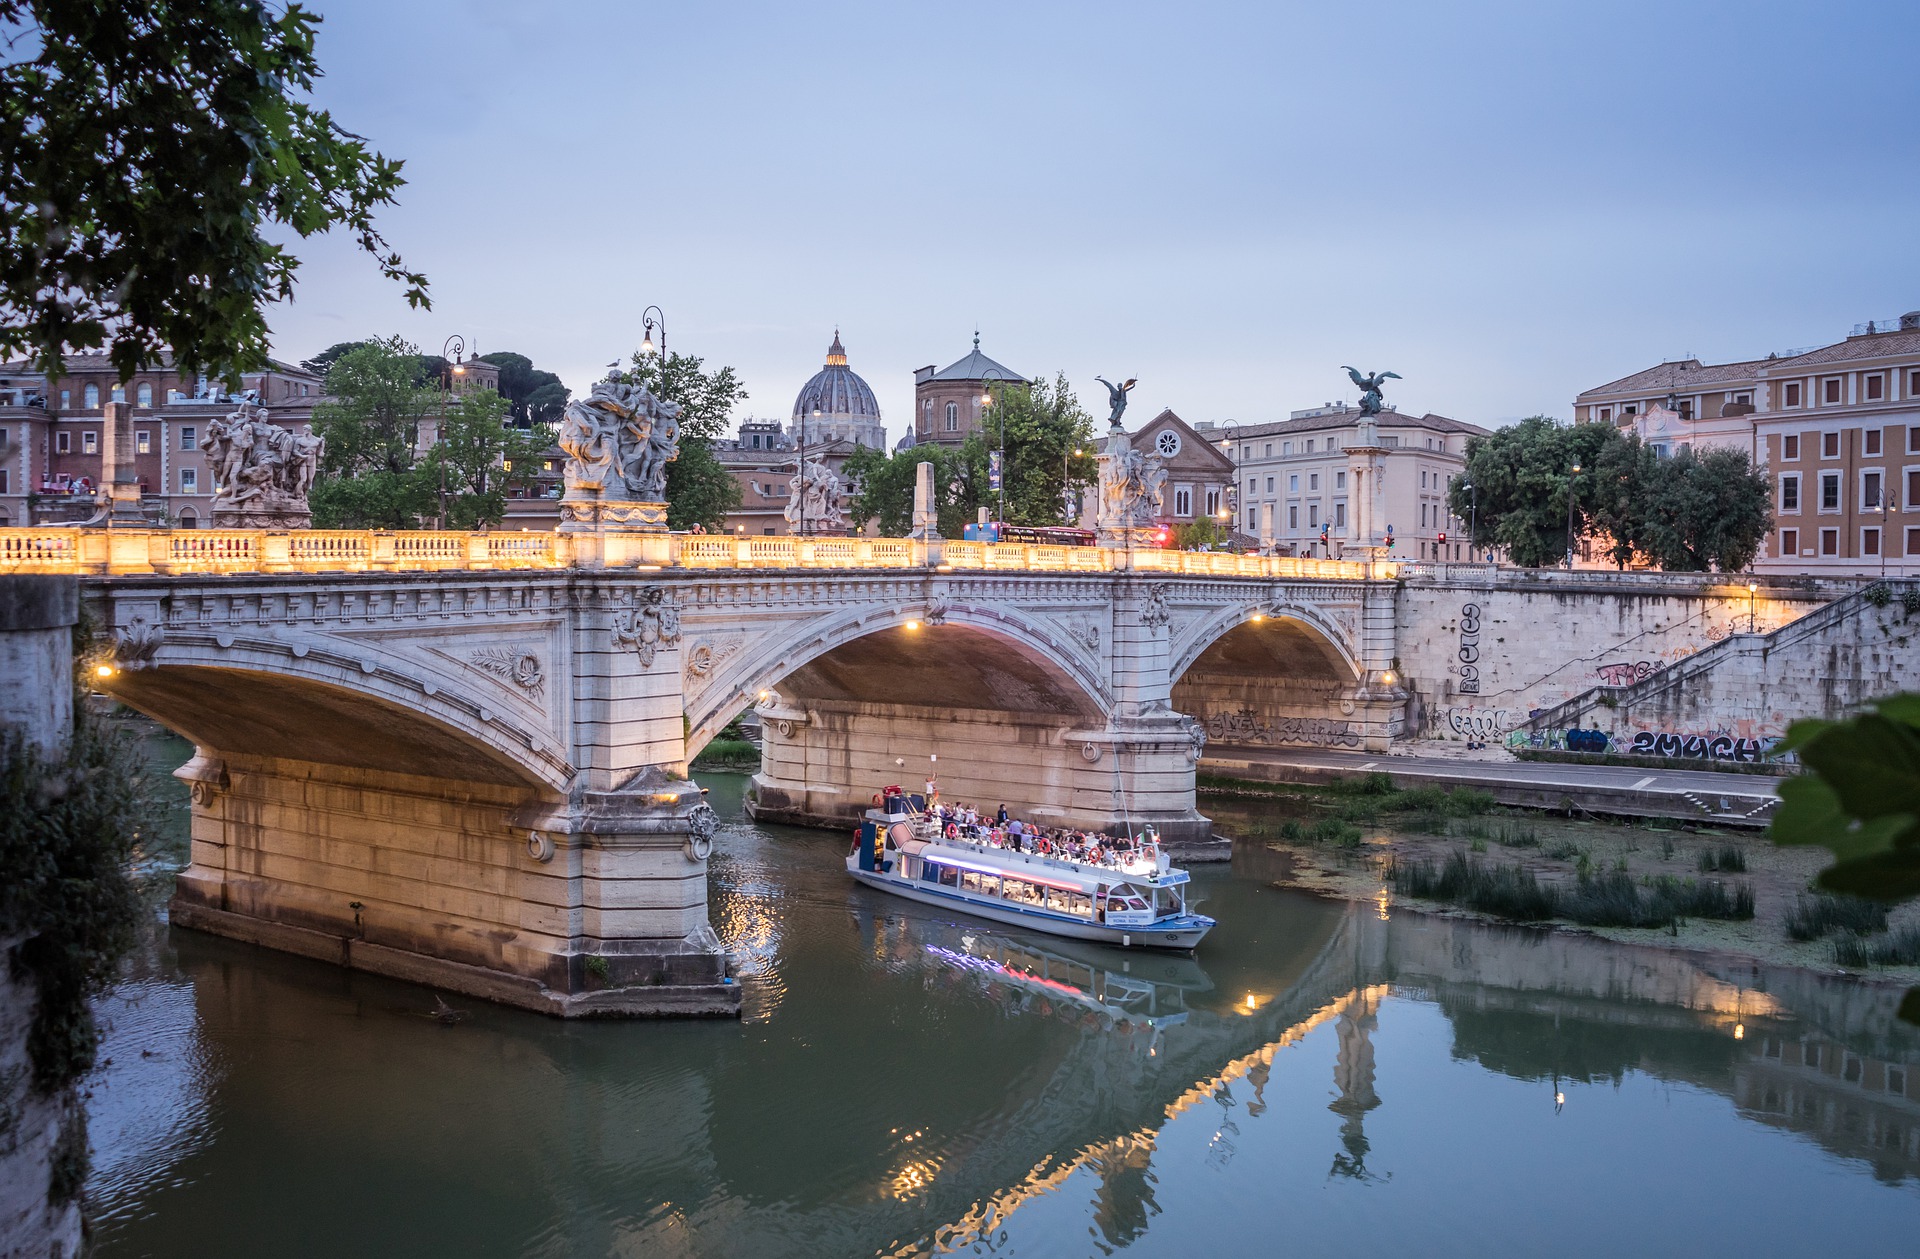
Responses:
[1323,1078]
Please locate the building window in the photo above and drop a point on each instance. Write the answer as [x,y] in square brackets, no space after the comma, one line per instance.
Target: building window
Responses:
[1790,393]
[1250,517]
[188,441]
[953,417]
[89,443]
[1339,480]
[1913,439]
[1313,515]
[1790,446]
[1790,492]
[1829,542]
[1789,543]
[143,442]
[1829,491]
[1213,502]
[144,394]
[1870,491]
[1829,445]
[189,481]
[1875,388]
[1293,518]
[1913,540]
[62,443]
[90,397]
[1913,489]
[1633,409]
[1870,441]
[1913,384]
[1313,480]
[1309,445]
[6,480]
[1253,484]
[66,399]
[1423,478]
[1831,394]
[1339,515]
[1333,443]
[1606,413]
[926,417]
[1870,541]
[1183,501]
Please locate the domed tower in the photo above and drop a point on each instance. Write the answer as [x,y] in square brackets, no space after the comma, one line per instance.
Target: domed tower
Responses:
[845,403]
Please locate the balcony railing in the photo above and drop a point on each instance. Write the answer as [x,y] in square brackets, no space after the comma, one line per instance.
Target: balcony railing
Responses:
[166,552]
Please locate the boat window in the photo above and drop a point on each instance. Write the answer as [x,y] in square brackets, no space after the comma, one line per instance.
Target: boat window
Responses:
[970,881]
[1174,905]
[1024,892]
[949,876]
[1080,904]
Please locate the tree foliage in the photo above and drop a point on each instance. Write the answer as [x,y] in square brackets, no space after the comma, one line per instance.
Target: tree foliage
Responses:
[152,147]
[537,397]
[370,475]
[700,490]
[1045,426]
[1685,513]
[1860,799]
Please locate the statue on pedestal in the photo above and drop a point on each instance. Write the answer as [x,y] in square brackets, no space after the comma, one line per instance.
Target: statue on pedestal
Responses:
[1117,398]
[262,473]
[817,499]
[1132,489]
[1370,400]
[619,440]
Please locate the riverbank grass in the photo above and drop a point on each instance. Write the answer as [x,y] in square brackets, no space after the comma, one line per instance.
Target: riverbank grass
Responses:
[1609,899]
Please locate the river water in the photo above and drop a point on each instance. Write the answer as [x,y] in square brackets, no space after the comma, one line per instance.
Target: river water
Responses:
[1322,1078]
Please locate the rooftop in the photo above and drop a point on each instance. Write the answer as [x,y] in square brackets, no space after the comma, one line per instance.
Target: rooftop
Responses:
[977,366]
[1389,421]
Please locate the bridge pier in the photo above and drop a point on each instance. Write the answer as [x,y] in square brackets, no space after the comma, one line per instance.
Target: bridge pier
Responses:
[589,907]
[822,763]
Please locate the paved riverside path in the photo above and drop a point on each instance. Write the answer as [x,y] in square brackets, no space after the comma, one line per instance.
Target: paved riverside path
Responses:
[1730,799]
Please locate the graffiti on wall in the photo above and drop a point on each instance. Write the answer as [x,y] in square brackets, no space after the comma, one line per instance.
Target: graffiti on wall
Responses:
[1699,747]
[1626,672]
[1245,726]
[1482,723]
[1560,740]
[1470,648]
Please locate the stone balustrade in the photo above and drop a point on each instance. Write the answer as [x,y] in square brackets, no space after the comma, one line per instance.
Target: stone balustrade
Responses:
[95,552]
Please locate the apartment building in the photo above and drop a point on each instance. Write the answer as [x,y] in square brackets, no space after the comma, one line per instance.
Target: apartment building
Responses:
[1294,476]
[1837,428]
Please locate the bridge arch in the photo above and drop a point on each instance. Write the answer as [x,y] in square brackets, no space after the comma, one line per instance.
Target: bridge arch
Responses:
[1278,676]
[355,706]
[962,654]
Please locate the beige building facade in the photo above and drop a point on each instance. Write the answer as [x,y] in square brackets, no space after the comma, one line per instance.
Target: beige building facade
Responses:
[1295,475]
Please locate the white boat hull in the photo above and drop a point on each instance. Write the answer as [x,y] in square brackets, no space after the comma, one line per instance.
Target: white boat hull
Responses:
[1183,932]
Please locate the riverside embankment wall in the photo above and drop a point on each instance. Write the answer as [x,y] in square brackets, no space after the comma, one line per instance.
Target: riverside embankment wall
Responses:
[1483,651]
[1731,701]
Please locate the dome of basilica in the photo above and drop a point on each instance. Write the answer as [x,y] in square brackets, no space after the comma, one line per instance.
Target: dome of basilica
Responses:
[845,402]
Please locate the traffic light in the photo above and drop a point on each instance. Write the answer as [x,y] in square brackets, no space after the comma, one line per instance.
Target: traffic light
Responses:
[1443,537]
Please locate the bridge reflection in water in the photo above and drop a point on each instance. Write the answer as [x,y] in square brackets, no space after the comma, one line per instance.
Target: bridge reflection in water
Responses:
[905,1082]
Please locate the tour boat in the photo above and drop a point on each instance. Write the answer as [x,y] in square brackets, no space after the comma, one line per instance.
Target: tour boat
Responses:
[1138,901]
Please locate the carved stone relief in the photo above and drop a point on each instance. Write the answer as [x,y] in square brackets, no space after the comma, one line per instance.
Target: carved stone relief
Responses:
[644,629]
[522,668]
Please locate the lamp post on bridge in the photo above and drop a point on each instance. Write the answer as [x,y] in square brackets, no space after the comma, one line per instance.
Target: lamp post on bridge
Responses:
[1572,489]
[454,352]
[999,456]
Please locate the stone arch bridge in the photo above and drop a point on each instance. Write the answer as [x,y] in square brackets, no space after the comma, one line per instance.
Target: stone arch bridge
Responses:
[473,774]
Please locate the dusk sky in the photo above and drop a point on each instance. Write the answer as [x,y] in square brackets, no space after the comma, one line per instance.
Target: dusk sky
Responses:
[1506,203]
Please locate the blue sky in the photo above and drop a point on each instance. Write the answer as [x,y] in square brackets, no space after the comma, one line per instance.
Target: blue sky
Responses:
[1504,202]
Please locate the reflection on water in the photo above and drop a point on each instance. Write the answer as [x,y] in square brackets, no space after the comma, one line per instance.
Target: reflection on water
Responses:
[907,1081]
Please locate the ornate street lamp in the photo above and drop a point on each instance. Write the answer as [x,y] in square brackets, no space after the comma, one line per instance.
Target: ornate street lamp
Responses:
[987,378]
[454,352]
[1571,490]
[653,317]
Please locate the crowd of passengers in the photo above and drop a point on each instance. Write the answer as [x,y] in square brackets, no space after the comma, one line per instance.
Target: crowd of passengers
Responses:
[962,822]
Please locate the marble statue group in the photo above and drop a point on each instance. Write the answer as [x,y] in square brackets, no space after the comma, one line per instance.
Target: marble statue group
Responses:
[817,500]
[262,473]
[618,440]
